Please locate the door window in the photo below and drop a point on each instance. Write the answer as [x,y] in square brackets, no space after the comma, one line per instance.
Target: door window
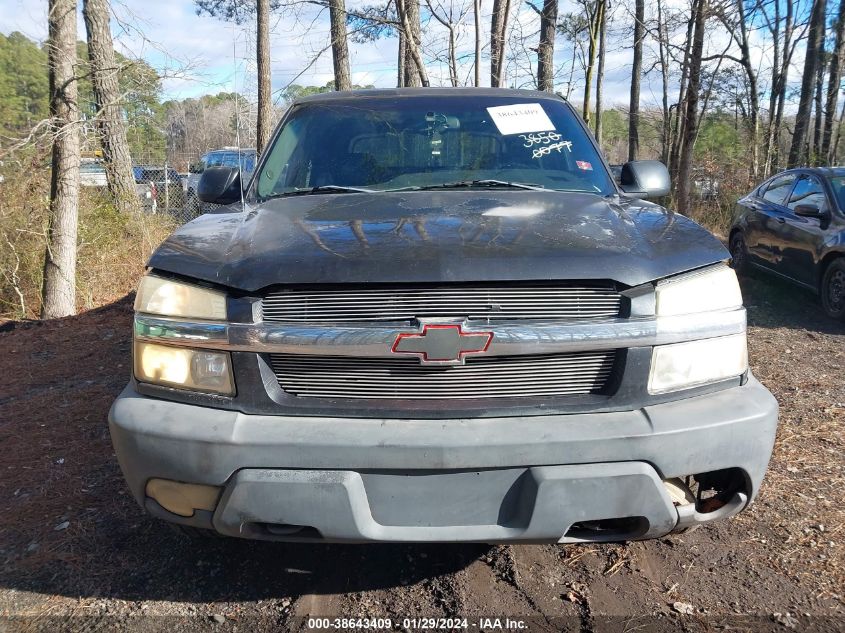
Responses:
[778,188]
[808,190]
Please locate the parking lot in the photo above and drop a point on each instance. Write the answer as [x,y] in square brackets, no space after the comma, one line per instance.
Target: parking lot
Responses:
[76,549]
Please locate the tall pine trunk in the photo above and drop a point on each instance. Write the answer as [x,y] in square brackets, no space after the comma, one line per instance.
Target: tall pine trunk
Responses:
[815,40]
[600,75]
[409,17]
[546,48]
[58,292]
[109,121]
[476,9]
[833,82]
[498,31]
[264,79]
[691,111]
[340,51]
[636,71]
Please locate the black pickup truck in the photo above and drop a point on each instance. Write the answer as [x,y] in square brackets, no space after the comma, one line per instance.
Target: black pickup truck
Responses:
[433,315]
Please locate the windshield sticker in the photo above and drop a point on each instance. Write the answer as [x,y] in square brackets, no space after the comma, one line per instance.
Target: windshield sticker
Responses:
[582,164]
[521,118]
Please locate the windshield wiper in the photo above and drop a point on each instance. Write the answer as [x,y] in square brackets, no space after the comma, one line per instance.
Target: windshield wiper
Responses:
[323,189]
[459,184]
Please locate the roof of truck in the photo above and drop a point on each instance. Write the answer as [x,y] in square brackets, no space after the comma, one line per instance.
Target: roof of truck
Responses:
[349,95]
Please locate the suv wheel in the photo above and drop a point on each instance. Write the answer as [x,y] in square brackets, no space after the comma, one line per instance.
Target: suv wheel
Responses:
[833,289]
[739,253]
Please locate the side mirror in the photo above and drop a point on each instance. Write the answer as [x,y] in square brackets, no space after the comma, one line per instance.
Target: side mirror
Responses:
[809,211]
[645,179]
[195,168]
[220,185]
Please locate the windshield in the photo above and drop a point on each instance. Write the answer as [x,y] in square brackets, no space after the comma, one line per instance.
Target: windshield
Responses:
[388,143]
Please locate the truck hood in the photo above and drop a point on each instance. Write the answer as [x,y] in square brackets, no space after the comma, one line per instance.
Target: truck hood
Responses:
[437,236]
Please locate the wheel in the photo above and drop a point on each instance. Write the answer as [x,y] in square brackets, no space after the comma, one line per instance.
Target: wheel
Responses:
[833,289]
[739,253]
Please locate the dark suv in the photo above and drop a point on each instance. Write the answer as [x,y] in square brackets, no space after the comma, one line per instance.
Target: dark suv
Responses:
[436,317]
[793,226]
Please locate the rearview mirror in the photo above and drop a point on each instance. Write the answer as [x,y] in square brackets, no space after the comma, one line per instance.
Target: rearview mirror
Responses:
[645,179]
[809,211]
[220,185]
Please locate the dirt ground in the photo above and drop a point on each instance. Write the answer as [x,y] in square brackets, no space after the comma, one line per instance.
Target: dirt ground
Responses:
[76,553]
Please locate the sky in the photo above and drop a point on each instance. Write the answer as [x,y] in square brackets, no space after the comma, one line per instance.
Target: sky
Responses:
[200,55]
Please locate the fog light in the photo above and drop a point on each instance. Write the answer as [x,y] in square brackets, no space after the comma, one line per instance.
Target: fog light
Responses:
[684,365]
[199,370]
[182,499]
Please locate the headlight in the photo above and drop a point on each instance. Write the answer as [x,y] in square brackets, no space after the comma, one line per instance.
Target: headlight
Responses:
[177,299]
[184,368]
[714,288]
[684,365]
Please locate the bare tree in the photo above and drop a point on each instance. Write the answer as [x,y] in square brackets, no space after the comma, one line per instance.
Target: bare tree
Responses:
[815,40]
[104,80]
[58,291]
[833,85]
[594,9]
[546,48]
[451,19]
[340,50]
[691,114]
[476,6]
[636,72]
[600,75]
[409,17]
[498,31]
[813,154]
[735,20]
[265,104]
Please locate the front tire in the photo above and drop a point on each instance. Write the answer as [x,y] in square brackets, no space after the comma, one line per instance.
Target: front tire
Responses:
[833,289]
[739,253]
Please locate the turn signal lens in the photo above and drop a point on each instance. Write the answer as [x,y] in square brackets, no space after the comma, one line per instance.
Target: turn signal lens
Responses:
[198,370]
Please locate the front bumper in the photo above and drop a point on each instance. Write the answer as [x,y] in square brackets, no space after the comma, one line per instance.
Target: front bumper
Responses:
[476,479]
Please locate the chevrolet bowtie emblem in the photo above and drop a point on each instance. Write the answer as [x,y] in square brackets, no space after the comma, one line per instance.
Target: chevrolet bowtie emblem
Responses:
[442,344]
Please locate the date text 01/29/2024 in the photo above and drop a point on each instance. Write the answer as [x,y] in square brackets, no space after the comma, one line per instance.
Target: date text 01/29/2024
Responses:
[416,624]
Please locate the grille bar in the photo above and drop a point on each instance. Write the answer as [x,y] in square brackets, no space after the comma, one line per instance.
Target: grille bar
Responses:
[492,377]
[402,304]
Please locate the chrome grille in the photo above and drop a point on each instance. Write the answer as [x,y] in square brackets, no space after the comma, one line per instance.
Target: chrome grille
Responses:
[477,302]
[488,377]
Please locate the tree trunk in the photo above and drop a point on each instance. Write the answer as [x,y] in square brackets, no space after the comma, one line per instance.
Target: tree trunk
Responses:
[546,49]
[58,292]
[677,132]
[666,129]
[110,125]
[476,8]
[815,39]
[833,83]
[636,71]
[263,63]
[818,122]
[837,135]
[691,111]
[788,49]
[600,76]
[400,60]
[409,17]
[340,52]
[498,30]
